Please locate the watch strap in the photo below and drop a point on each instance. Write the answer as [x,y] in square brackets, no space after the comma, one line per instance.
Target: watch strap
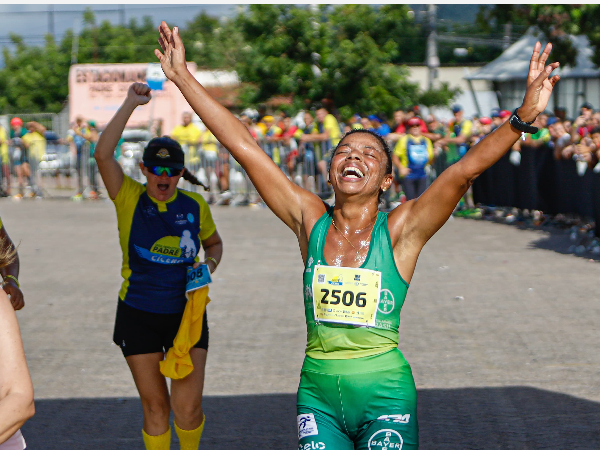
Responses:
[524,127]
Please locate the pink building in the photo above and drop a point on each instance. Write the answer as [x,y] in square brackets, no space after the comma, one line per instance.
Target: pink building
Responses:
[97,90]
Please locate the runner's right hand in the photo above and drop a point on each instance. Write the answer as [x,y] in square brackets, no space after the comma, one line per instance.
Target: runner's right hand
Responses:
[139,93]
[172,58]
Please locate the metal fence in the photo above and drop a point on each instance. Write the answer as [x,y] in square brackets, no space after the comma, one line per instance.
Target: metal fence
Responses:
[58,170]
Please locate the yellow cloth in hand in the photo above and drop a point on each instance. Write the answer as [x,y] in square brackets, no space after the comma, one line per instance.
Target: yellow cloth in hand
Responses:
[178,362]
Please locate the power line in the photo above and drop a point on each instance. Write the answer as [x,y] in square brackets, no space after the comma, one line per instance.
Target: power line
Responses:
[110,10]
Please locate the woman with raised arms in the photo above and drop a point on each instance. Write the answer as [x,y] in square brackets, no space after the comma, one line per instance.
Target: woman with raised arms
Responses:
[356,389]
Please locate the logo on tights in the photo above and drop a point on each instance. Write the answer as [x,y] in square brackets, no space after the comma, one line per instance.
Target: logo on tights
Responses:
[386,440]
[307,426]
[396,418]
[312,446]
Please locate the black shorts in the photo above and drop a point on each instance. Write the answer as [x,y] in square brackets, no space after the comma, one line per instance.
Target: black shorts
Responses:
[138,332]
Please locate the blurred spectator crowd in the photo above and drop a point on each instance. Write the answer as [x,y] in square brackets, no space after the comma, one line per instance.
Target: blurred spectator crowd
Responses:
[300,144]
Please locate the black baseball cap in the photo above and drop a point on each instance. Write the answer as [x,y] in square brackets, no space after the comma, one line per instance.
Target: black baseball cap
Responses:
[163,151]
[587,105]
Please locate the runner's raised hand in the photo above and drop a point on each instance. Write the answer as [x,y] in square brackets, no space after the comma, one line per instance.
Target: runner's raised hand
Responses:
[539,83]
[139,93]
[172,58]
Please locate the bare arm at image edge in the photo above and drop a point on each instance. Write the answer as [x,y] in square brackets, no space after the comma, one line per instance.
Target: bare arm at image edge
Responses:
[10,272]
[16,389]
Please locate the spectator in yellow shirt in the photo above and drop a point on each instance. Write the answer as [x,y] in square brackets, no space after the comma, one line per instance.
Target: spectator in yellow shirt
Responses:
[328,134]
[188,135]
[35,140]
[411,155]
[4,164]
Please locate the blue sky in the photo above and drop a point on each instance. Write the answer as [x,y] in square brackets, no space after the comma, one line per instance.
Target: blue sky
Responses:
[31,21]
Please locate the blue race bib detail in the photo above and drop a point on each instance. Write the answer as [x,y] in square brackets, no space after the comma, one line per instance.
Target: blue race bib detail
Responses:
[197,278]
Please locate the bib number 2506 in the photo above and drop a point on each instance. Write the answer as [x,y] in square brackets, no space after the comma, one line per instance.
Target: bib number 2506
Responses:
[346,297]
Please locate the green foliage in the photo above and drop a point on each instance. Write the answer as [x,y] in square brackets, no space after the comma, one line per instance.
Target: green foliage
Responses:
[587,19]
[395,25]
[211,44]
[282,43]
[349,54]
[557,22]
[34,78]
[109,43]
[440,96]
[493,19]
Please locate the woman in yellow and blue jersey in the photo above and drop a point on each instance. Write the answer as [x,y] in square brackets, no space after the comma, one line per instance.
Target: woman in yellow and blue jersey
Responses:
[356,389]
[161,230]
[413,152]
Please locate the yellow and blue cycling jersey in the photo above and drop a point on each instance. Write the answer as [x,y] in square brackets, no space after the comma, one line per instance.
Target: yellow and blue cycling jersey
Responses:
[159,240]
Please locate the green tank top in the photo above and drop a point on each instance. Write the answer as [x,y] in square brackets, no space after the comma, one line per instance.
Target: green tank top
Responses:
[329,340]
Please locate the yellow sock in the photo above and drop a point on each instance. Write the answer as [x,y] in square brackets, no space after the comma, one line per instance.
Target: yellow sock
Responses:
[161,442]
[190,440]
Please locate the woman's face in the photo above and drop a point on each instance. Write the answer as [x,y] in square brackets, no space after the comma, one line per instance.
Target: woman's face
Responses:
[160,187]
[358,166]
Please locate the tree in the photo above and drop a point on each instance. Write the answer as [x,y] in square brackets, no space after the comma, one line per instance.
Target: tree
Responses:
[34,78]
[345,54]
[556,22]
[348,54]
[213,44]
[283,51]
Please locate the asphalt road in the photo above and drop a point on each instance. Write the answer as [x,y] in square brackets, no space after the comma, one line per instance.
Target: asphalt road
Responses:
[501,331]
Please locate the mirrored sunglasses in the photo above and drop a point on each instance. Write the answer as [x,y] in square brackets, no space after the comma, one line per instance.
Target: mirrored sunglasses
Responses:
[159,170]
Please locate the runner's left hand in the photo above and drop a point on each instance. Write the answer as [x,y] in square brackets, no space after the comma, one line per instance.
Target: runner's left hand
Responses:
[16,296]
[539,84]
[209,263]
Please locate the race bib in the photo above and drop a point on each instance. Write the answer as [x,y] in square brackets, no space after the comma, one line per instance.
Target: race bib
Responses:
[197,278]
[346,295]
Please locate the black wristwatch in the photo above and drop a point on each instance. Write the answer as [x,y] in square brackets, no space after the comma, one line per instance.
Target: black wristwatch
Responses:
[524,127]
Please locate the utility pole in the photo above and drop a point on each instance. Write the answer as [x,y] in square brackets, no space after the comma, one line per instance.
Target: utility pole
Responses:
[51,20]
[122,15]
[507,33]
[433,62]
[75,47]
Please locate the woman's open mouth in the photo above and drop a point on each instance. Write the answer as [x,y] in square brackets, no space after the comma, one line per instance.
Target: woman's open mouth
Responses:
[163,187]
[352,173]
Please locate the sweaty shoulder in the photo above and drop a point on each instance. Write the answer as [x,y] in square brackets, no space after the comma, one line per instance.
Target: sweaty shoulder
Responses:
[207,224]
[313,208]
[397,219]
